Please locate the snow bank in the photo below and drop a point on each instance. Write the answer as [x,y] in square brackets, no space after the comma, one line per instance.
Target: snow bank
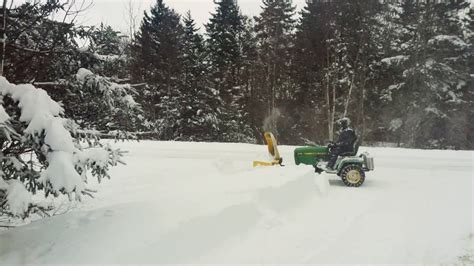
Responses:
[322,183]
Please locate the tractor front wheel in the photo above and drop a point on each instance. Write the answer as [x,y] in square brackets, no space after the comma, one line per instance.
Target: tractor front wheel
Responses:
[352,175]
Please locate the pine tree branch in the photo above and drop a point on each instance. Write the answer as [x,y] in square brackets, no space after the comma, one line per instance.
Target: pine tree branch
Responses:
[7,226]
[35,51]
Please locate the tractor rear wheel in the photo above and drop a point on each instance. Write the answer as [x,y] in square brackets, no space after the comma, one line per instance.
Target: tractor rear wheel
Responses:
[352,175]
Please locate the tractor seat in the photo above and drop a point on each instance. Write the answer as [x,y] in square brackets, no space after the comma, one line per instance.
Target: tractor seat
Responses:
[354,151]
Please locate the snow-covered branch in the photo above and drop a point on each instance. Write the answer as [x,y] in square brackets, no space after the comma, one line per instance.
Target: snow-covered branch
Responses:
[65,161]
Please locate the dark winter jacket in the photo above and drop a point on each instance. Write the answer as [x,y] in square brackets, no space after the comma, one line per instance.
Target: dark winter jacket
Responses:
[346,140]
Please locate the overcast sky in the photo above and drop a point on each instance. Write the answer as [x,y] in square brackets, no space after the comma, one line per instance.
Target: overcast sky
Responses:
[112,12]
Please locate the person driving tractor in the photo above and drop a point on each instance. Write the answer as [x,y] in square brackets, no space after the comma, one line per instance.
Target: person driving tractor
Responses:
[345,142]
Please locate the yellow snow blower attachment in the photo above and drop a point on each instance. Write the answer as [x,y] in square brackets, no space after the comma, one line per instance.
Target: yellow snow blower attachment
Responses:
[272,150]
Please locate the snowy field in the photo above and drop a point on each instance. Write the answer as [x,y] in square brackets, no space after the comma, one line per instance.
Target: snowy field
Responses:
[204,203]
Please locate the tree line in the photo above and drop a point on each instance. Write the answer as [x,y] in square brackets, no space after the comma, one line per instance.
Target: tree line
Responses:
[401,70]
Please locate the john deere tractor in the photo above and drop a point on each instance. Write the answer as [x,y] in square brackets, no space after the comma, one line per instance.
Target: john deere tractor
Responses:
[350,167]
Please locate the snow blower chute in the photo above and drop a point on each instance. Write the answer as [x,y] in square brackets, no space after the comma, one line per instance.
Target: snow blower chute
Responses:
[272,150]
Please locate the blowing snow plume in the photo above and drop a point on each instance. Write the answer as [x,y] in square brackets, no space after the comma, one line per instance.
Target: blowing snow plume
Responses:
[270,122]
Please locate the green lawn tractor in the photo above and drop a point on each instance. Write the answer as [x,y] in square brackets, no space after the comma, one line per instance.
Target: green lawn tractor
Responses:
[350,167]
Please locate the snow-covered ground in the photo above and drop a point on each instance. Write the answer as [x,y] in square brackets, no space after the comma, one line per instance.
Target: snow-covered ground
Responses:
[204,203]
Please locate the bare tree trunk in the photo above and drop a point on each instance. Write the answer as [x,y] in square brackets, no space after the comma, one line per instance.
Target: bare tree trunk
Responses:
[346,106]
[273,115]
[4,36]
[354,73]
[268,99]
[333,114]
[362,109]
[328,101]
[168,84]
[132,12]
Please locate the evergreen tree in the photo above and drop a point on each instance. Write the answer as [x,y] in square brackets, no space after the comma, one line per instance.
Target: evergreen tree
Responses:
[361,23]
[108,48]
[401,70]
[46,54]
[224,46]
[254,98]
[469,58]
[157,60]
[335,48]
[310,54]
[432,76]
[199,103]
[43,153]
[275,28]
[39,49]
[98,103]
[223,30]
[104,40]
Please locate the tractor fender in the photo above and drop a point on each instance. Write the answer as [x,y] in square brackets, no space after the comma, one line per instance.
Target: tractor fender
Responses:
[349,160]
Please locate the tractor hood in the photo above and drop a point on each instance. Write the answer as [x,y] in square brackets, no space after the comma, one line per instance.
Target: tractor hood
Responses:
[310,155]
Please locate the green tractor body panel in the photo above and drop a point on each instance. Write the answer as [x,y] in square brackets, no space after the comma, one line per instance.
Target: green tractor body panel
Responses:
[311,155]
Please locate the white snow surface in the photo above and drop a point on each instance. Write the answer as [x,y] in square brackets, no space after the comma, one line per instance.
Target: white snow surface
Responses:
[17,196]
[203,203]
